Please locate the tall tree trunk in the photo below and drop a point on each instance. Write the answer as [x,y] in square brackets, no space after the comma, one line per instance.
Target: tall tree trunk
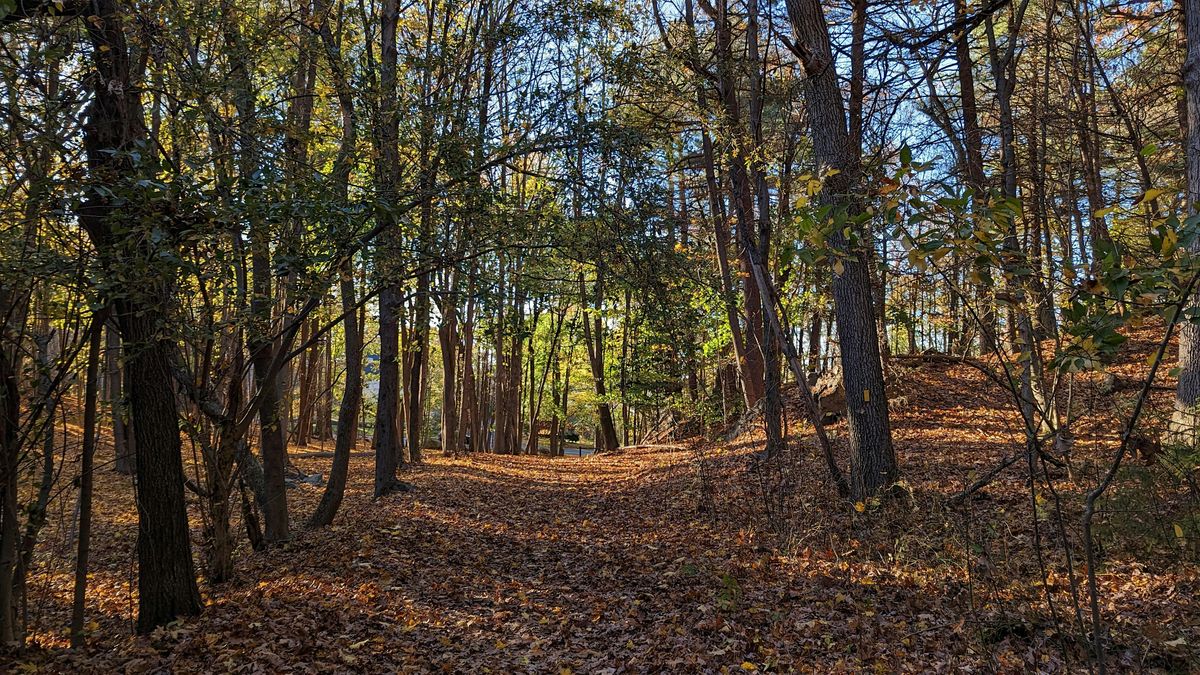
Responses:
[88,454]
[1087,123]
[515,367]
[386,438]
[973,154]
[624,382]
[10,431]
[751,387]
[1022,332]
[872,459]
[448,340]
[348,411]
[352,330]
[593,337]
[1186,420]
[114,375]
[769,339]
[414,393]
[166,576]
[387,177]
[415,386]
[260,342]
[741,198]
[500,406]
[470,427]
[310,381]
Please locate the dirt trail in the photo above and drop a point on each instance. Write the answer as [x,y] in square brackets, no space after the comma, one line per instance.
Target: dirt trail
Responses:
[504,563]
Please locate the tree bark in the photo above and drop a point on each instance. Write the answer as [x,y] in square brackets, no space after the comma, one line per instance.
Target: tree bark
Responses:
[348,412]
[91,386]
[166,576]
[1186,420]
[386,437]
[751,361]
[751,387]
[351,404]
[260,344]
[769,338]
[448,340]
[387,417]
[872,459]
[973,154]
[114,376]
[593,337]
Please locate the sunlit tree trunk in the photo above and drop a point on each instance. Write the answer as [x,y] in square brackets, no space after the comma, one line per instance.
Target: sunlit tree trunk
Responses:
[972,138]
[751,387]
[872,459]
[1185,420]
[352,329]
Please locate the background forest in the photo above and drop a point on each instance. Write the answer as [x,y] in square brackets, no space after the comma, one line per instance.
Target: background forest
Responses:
[821,296]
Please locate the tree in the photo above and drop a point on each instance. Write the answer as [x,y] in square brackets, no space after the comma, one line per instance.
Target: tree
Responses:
[872,459]
[1187,394]
[113,135]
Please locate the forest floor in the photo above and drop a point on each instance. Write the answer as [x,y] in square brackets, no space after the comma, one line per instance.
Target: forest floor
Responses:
[680,559]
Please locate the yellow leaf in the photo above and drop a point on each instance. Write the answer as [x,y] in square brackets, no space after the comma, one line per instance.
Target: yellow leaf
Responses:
[1148,195]
[839,268]
[501,644]
[860,507]
[746,665]
[564,671]
[1178,531]
[866,395]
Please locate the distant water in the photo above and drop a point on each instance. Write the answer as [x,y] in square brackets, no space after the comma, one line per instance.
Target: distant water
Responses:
[569,450]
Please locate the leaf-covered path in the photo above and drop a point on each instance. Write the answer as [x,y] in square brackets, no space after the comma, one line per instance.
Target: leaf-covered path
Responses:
[507,564]
[491,562]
